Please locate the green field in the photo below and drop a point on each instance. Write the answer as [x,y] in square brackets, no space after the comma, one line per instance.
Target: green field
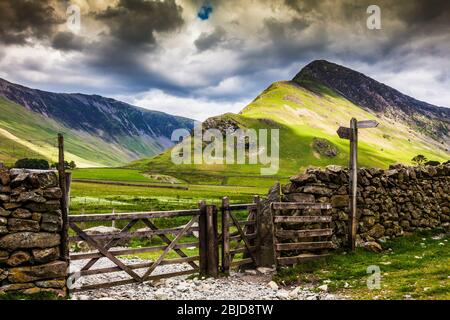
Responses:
[94,198]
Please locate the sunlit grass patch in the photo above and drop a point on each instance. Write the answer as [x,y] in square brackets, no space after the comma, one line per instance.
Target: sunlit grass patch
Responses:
[408,270]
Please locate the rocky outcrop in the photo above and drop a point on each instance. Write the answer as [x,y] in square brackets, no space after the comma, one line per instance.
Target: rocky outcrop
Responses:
[390,202]
[30,233]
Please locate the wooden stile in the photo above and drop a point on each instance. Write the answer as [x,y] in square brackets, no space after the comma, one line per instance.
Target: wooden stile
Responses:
[300,205]
[298,219]
[304,233]
[300,258]
[304,245]
[281,222]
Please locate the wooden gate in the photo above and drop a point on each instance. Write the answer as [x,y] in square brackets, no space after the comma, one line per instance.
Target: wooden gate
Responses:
[244,239]
[104,243]
[291,245]
[237,237]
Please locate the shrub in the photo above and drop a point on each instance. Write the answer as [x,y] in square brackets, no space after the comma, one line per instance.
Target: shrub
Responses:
[67,165]
[27,163]
[419,159]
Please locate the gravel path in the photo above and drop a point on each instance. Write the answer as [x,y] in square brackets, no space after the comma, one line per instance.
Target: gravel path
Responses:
[251,285]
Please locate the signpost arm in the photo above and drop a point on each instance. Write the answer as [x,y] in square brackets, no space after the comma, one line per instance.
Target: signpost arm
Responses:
[353,182]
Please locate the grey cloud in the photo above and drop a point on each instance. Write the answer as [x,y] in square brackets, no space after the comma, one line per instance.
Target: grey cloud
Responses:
[134,21]
[120,52]
[208,41]
[21,20]
[278,50]
[67,41]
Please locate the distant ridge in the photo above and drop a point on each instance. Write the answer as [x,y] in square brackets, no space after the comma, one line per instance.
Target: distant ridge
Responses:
[132,132]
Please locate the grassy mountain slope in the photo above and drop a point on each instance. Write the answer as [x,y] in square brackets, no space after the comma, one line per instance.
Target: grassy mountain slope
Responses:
[305,114]
[24,133]
[98,131]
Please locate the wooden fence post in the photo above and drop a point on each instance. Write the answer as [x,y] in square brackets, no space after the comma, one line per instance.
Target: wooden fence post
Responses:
[353,181]
[226,257]
[202,239]
[64,207]
[68,184]
[257,201]
[211,236]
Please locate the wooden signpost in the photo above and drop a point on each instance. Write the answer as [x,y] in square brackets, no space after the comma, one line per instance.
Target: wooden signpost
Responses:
[352,135]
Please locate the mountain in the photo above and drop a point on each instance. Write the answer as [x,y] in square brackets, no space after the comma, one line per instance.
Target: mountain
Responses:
[98,131]
[309,109]
[378,97]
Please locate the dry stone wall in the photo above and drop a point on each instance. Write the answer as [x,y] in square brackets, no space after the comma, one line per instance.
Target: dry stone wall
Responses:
[390,202]
[30,233]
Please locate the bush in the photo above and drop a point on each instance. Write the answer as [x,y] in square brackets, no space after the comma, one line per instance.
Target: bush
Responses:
[27,163]
[67,165]
[419,159]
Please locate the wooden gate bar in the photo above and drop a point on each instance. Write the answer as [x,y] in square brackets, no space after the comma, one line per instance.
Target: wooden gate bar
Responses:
[123,252]
[169,247]
[164,238]
[132,215]
[278,219]
[104,251]
[135,266]
[304,233]
[300,205]
[300,258]
[131,281]
[110,244]
[304,245]
[138,234]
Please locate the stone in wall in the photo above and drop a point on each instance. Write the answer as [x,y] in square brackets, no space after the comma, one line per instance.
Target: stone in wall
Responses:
[30,227]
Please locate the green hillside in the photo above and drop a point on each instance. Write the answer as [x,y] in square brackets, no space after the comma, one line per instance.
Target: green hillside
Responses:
[24,133]
[308,120]
[99,131]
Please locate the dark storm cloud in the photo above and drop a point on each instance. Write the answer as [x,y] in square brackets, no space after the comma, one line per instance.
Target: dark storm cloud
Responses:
[126,67]
[210,40]
[404,22]
[133,22]
[66,41]
[21,20]
[261,40]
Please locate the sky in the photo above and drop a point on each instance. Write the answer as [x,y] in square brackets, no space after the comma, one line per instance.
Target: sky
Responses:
[203,58]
